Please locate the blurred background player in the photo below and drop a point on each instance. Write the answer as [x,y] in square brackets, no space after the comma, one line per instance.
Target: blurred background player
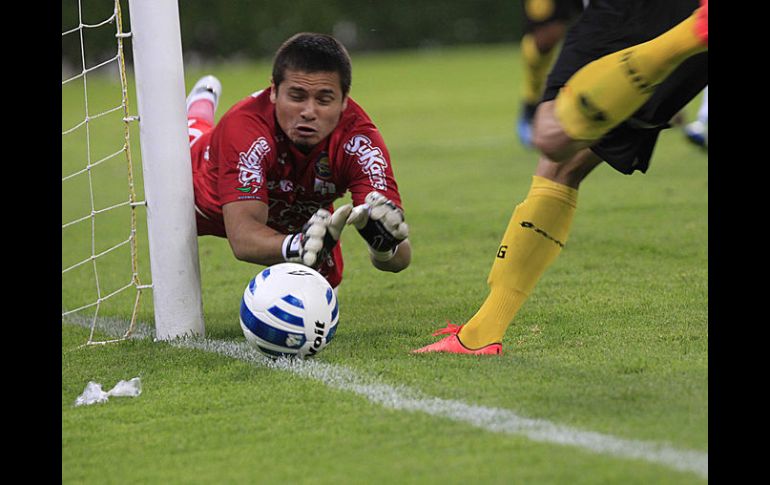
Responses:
[267,175]
[545,23]
[625,70]
[698,131]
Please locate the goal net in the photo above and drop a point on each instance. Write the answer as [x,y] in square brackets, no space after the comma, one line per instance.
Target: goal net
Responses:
[117,242]
[100,258]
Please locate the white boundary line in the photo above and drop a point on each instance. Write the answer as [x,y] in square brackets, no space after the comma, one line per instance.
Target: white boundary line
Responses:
[496,420]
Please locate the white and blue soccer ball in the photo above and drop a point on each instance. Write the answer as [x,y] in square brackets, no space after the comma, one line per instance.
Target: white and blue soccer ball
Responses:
[289,310]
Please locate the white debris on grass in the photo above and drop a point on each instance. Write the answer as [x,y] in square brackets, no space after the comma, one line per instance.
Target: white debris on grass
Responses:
[93,393]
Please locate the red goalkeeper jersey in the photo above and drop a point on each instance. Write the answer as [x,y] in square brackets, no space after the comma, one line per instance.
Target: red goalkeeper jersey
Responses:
[246,156]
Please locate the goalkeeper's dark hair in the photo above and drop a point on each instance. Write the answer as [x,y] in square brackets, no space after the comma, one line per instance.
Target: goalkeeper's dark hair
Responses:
[311,52]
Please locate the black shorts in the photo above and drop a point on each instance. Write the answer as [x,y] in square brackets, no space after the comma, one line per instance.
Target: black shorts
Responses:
[541,12]
[608,26]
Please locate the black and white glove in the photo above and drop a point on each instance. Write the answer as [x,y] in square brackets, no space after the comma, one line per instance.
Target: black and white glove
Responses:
[381,224]
[318,237]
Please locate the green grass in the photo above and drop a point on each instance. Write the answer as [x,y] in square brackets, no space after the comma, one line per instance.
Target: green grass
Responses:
[613,340]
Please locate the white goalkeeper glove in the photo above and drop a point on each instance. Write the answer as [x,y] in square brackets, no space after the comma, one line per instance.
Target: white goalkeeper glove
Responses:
[381,224]
[318,237]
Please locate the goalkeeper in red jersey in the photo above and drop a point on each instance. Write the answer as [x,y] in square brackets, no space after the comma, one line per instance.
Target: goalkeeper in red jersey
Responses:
[625,69]
[267,174]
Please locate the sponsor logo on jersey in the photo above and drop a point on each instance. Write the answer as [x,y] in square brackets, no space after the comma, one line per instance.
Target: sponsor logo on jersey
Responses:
[250,170]
[194,133]
[370,158]
[283,185]
[323,187]
[289,216]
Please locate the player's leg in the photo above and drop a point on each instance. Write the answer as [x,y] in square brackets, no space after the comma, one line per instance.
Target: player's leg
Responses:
[202,104]
[608,90]
[545,24]
[536,233]
[549,136]
[538,49]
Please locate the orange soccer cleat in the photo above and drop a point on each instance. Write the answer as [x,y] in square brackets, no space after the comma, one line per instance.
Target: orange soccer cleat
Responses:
[452,344]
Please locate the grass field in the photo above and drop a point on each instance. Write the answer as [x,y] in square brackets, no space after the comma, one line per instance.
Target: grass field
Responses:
[612,345]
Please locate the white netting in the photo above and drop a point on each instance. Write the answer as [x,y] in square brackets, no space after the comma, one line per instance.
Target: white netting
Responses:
[100,262]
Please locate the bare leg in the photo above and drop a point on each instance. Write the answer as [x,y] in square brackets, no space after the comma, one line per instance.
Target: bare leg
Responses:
[571,172]
[550,138]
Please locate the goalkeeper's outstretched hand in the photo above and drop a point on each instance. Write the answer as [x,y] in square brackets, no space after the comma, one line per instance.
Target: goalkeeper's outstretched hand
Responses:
[318,237]
[381,224]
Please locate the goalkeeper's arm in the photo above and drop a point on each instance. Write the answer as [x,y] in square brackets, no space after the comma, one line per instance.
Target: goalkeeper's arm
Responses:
[248,234]
[399,261]
[253,241]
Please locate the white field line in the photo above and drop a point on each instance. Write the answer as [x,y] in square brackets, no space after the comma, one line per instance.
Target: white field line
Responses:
[399,397]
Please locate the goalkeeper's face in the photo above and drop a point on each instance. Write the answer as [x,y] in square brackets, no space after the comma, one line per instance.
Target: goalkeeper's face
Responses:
[308,106]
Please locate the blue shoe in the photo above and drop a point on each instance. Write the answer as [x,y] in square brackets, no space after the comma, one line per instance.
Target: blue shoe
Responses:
[524,130]
[524,124]
[697,132]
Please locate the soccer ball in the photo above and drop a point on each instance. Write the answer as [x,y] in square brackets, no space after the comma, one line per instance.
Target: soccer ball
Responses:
[289,310]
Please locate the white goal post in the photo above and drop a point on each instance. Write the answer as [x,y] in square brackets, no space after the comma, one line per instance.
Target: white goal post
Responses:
[165,149]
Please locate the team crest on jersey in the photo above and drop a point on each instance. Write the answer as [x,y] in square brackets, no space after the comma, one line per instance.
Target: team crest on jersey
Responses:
[323,173]
[322,169]
[371,159]
[250,172]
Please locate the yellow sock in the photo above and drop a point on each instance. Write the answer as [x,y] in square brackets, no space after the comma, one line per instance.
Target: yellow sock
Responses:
[536,66]
[536,233]
[605,92]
